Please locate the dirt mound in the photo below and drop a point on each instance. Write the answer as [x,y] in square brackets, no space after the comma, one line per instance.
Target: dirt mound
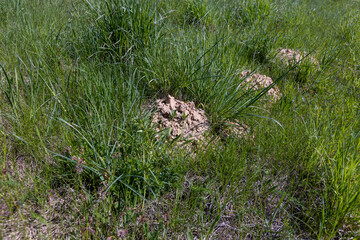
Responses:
[258,81]
[181,118]
[290,56]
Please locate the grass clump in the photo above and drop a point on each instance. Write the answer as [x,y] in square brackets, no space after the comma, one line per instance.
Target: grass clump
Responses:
[120,28]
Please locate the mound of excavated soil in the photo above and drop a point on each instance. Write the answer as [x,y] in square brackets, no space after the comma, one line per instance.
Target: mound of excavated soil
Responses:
[258,81]
[182,118]
[290,56]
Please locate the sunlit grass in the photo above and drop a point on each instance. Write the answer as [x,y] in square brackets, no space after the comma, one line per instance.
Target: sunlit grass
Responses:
[75,80]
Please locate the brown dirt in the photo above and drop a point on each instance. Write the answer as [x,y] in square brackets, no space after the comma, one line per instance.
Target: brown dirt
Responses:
[258,81]
[290,57]
[190,123]
[184,119]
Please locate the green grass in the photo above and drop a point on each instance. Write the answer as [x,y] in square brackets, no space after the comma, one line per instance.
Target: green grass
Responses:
[80,159]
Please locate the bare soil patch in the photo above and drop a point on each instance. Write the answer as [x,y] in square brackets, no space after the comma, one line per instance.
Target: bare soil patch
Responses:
[290,57]
[258,81]
[183,119]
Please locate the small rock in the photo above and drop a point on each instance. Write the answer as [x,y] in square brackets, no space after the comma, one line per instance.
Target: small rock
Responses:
[171,102]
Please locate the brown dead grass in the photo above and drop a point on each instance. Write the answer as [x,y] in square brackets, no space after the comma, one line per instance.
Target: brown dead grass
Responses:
[232,224]
[33,220]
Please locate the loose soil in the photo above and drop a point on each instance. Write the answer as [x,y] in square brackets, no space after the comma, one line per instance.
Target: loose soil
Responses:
[290,57]
[258,81]
[183,119]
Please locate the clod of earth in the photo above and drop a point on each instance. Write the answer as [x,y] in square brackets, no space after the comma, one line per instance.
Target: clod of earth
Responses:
[258,81]
[182,118]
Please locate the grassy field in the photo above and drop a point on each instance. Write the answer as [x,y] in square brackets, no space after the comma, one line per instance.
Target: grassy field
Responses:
[80,158]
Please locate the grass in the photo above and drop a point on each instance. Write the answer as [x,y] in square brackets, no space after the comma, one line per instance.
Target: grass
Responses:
[81,160]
